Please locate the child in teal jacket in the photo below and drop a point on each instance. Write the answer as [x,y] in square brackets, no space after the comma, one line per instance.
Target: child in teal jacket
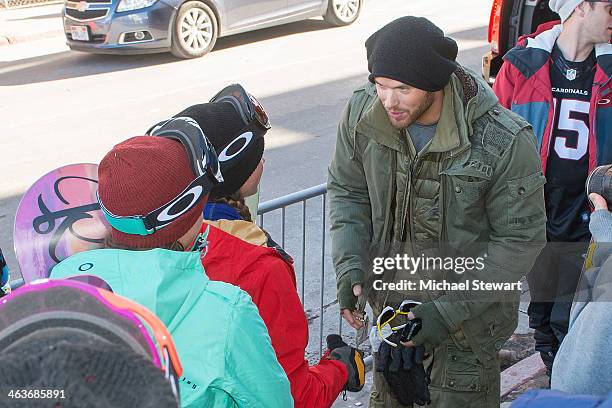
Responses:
[222,342]
[152,190]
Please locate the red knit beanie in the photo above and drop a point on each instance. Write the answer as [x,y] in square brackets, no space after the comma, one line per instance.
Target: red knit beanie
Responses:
[140,175]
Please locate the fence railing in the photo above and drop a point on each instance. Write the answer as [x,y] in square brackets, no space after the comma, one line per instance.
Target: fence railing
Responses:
[302,197]
[281,204]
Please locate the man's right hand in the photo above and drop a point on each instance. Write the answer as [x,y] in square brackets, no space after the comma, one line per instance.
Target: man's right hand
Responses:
[349,288]
[354,317]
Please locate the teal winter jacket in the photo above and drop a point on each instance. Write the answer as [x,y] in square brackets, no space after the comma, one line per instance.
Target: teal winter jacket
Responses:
[223,344]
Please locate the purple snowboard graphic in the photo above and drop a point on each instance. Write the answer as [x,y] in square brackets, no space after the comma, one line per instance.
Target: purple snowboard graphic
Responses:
[57,217]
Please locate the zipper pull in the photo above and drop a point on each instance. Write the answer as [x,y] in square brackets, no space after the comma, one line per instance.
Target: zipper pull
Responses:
[412,166]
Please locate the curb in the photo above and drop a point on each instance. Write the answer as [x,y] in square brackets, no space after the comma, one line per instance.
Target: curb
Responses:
[6,40]
[520,373]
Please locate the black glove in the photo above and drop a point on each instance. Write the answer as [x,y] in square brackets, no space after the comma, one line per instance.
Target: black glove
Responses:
[403,370]
[352,359]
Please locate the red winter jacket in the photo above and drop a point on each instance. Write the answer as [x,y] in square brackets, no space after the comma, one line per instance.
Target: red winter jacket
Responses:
[241,257]
[523,85]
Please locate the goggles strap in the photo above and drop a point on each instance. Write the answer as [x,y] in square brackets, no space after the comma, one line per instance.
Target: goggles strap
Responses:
[231,155]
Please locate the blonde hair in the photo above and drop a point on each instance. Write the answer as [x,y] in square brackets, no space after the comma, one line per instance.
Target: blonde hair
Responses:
[236,202]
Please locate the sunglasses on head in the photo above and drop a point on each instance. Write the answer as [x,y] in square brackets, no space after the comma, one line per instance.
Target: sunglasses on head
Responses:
[205,165]
[254,118]
[388,314]
[246,105]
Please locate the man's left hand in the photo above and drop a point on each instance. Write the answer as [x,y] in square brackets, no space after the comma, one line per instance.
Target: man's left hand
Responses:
[433,330]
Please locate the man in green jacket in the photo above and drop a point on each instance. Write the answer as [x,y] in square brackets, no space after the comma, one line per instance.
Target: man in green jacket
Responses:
[428,162]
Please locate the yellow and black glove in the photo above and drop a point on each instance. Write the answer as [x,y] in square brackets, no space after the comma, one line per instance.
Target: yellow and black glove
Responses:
[352,359]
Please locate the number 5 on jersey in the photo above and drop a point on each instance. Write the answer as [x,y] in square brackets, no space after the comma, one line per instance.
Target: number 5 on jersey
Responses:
[572,123]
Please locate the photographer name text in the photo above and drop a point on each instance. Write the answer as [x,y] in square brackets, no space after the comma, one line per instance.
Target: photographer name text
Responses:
[444,285]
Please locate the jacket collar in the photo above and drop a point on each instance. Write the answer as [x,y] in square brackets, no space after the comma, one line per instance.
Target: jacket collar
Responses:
[139,275]
[603,52]
[447,133]
[547,39]
[376,125]
[245,230]
[543,43]
[220,211]
[453,126]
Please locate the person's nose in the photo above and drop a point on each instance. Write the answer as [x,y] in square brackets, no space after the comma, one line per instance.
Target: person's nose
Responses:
[390,100]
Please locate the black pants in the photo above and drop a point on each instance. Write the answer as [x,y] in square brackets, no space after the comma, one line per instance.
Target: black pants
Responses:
[552,284]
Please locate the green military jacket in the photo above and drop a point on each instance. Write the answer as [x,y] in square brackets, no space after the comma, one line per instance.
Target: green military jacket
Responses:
[476,188]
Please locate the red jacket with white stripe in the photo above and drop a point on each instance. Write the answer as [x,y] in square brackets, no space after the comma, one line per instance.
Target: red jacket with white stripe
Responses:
[237,253]
[523,85]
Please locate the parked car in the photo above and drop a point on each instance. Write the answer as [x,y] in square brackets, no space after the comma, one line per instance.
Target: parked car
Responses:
[509,20]
[187,28]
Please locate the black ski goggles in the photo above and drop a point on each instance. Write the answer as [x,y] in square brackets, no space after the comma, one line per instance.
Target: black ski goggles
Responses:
[245,104]
[205,165]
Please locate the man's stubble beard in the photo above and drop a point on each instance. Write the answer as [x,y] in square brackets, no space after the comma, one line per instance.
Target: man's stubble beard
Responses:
[413,116]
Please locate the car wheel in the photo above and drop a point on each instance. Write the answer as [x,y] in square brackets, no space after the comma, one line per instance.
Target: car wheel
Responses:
[195,30]
[342,12]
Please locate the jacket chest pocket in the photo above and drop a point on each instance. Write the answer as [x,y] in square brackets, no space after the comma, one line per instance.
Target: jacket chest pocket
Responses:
[465,189]
[521,194]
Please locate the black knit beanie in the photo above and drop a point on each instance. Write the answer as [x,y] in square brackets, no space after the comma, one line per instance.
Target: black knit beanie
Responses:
[221,125]
[414,51]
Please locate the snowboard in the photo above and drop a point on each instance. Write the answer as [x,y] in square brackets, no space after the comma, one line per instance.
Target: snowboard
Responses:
[57,217]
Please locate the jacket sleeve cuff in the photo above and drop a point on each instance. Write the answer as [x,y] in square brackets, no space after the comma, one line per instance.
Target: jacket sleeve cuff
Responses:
[452,313]
[601,226]
[349,268]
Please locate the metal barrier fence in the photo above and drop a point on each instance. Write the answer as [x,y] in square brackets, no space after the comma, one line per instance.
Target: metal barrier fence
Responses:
[302,197]
[281,204]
